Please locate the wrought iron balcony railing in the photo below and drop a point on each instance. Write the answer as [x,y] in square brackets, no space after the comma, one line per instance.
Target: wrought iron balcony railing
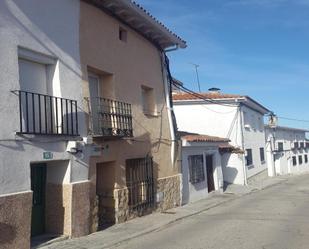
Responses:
[111,118]
[42,114]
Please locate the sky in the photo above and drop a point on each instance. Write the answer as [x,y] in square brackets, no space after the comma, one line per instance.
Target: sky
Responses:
[258,48]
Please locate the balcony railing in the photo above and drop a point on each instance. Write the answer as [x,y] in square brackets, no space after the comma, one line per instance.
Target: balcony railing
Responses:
[111,118]
[41,114]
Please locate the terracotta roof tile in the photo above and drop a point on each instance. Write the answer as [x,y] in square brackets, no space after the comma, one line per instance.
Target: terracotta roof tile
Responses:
[188,96]
[193,137]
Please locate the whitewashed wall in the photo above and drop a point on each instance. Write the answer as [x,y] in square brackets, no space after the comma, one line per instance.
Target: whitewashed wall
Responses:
[254,138]
[52,29]
[283,160]
[195,192]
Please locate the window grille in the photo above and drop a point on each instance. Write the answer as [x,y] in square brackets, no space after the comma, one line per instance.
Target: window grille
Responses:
[140,183]
[196,168]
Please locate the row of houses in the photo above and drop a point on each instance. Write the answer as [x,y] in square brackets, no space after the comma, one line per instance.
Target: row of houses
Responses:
[91,133]
[225,141]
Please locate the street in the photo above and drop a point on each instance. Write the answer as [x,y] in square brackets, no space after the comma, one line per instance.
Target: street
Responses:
[273,218]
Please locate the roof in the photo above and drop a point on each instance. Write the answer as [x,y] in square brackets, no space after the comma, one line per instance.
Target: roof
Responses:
[287,128]
[197,96]
[194,137]
[139,19]
[218,96]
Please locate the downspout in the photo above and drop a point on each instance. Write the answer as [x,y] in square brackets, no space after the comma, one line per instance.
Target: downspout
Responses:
[243,142]
[169,103]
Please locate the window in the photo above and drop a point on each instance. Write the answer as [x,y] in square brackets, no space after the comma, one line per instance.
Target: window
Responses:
[295,145]
[300,159]
[123,34]
[249,159]
[280,146]
[196,169]
[306,158]
[140,183]
[148,100]
[262,155]
[302,145]
[294,160]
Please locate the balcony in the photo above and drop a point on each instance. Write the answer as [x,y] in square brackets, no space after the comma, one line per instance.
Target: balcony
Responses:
[110,118]
[41,114]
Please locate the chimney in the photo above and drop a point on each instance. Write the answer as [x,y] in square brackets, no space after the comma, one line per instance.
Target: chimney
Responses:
[214,90]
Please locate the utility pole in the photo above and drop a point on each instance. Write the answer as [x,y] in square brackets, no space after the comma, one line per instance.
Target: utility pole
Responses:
[197,76]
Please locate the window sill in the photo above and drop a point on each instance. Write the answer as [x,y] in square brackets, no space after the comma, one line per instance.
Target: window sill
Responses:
[251,166]
[151,114]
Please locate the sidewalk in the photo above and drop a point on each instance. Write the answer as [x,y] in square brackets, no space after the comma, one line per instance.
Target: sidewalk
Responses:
[156,221]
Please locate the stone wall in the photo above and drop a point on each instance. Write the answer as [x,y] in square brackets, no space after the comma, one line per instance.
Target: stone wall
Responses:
[15,220]
[58,209]
[121,197]
[169,189]
[80,209]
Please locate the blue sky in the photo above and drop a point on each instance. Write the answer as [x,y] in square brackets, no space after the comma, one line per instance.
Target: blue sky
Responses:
[258,48]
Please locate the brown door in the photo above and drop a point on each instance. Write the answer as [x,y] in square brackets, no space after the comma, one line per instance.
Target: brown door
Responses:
[210,173]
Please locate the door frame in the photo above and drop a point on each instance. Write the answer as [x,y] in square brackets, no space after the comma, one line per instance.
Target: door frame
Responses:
[43,196]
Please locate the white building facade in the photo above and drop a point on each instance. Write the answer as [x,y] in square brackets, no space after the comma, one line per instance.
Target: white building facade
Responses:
[287,150]
[41,115]
[238,118]
[201,166]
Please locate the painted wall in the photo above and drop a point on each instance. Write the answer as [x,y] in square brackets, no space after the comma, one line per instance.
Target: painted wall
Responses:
[194,192]
[254,138]
[215,120]
[123,68]
[47,30]
[283,160]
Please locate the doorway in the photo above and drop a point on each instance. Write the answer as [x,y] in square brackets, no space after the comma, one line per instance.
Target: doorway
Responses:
[38,186]
[210,174]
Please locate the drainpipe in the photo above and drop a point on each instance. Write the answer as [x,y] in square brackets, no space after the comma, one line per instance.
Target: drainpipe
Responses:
[243,143]
[167,91]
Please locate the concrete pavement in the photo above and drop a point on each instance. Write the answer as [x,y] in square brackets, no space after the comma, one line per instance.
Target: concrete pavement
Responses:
[134,231]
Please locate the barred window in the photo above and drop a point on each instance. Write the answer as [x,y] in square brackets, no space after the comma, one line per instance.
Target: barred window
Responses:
[140,183]
[196,168]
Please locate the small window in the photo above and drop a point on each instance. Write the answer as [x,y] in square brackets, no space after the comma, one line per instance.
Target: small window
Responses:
[302,145]
[196,168]
[296,145]
[280,147]
[123,34]
[306,158]
[249,159]
[148,100]
[262,155]
[300,159]
[294,160]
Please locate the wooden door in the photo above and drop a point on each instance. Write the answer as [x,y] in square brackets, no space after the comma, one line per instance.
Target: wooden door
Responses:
[210,173]
[38,186]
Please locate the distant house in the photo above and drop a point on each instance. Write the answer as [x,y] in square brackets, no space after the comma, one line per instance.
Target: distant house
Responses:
[238,118]
[202,165]
[287,150]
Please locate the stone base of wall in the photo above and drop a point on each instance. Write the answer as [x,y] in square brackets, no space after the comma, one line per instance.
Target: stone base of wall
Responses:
[80,209]
[67,209]
[169,189]
[58,209]
[15,220]
[121,197]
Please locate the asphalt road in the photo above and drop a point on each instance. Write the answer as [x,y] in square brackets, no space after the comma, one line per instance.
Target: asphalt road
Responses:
[274,218]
